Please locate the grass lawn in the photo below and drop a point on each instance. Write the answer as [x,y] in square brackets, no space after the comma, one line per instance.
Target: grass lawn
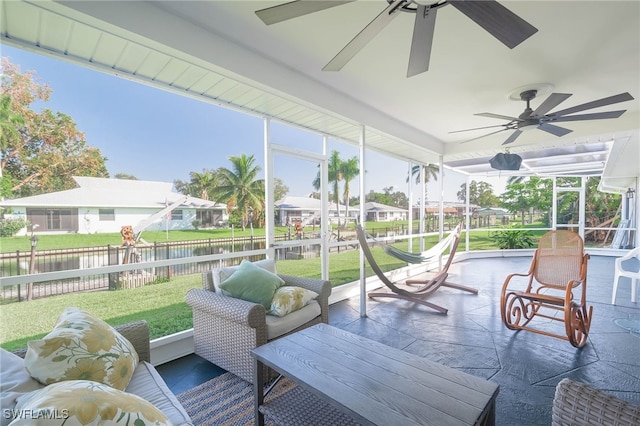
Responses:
[162,305]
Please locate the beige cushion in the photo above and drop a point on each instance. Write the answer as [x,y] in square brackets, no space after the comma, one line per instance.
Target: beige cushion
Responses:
[85,402]
[221,274]
[147,384]
[82,347]
[289,299]
[277,326]
[15,381]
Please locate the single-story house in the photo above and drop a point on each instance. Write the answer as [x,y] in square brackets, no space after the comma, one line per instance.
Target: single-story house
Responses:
[493,215]
[377,212]
[450,208]
[292,209]
[100,205]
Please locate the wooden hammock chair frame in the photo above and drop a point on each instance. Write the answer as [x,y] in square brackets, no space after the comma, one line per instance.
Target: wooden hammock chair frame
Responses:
[557,282]
[426,287]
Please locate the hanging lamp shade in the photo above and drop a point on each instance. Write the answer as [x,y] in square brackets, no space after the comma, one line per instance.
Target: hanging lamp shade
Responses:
[506,161]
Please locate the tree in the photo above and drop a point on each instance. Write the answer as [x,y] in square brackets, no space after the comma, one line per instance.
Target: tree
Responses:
[280,190]
[239,188]
[534,193]
[429,171]
[334,178]
[40,152]
[349,170]
[125,176]
[480,194]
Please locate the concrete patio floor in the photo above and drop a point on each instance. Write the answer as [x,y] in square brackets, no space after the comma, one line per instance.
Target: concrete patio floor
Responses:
[472,338]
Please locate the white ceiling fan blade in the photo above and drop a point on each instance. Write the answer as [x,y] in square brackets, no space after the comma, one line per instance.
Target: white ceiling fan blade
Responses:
[363,37]
[422,40]
[294,9]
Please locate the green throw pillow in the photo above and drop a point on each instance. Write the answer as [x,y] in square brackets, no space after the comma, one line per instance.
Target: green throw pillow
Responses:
[253,284]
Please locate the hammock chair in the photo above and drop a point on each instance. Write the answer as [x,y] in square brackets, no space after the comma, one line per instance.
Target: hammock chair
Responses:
[426,287]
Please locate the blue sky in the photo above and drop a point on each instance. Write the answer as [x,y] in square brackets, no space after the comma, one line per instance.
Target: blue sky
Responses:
[157,135]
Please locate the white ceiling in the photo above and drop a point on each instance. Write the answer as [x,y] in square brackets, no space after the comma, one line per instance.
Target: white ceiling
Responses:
[221,51]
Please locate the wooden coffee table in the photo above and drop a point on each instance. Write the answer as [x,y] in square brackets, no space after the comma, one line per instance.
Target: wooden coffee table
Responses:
[354,380]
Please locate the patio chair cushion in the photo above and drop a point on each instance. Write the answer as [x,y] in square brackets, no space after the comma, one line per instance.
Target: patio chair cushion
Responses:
[85,402]
[220,274]
[289,299]
[253,284]
[278,326]
[81,346]
[14,382]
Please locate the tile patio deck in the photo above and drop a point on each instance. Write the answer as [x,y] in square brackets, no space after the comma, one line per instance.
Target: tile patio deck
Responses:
[472,338]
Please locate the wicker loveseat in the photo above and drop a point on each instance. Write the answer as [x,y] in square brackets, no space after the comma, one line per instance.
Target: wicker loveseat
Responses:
[145,382]
[576,403]
[225,329]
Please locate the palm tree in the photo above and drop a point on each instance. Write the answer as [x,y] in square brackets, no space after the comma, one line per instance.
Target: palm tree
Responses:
[334,178]
[203,183]
[239,188]
[349,170]
[429,171]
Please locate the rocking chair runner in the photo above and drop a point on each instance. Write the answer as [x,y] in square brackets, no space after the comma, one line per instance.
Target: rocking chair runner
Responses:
[557,281]
[427,287]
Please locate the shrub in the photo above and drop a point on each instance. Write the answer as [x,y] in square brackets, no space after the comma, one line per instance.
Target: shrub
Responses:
[10,226]
[513,239]
[195,224]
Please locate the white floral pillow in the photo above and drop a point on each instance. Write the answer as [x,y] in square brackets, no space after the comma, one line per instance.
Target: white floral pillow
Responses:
[82,347]
[289,299]
[83,402]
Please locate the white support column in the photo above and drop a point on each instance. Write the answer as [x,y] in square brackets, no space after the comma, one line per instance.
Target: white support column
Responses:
[324,213]
[441,191]
[467,213]
[410,216]
[554,205]
[581,213]
[423,202]
[363,275]
[269,216]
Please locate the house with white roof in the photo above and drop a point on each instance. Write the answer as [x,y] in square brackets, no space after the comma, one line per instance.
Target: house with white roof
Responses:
[292,209]
[100,205]
[378,212]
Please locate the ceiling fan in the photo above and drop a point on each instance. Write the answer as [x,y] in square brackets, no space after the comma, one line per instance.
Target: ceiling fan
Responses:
[499,21]
[539,118]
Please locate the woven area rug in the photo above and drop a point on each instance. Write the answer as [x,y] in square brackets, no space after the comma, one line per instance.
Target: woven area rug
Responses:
[225,400]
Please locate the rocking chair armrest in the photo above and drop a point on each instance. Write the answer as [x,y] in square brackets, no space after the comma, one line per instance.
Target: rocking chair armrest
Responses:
[510,276]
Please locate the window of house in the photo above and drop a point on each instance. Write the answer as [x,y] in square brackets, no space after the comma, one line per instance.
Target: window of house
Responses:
[107,215]
[176,214]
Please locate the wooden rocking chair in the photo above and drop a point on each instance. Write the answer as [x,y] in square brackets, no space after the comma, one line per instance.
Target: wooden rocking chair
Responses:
[427,287]
[557,282]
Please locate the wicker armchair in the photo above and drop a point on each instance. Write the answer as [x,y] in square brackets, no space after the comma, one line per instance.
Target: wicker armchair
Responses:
[225,329]
[579,404]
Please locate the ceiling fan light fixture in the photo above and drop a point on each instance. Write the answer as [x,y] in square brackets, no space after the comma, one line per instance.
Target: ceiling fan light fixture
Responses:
[506,161]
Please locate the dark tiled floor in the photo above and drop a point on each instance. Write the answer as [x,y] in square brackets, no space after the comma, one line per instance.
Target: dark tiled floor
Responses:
[471,338]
